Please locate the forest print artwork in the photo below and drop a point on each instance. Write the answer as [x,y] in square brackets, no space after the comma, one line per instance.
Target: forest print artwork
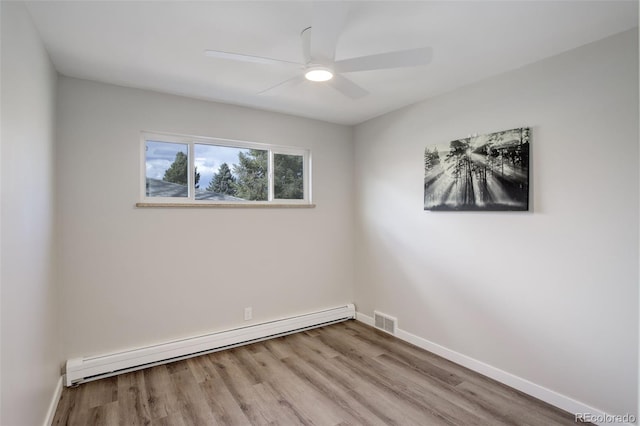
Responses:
[483,173]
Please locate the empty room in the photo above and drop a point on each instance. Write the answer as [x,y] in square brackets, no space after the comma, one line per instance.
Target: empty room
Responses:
[319,213]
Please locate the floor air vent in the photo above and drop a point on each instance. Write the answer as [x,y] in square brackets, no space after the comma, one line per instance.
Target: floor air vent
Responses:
[385,322]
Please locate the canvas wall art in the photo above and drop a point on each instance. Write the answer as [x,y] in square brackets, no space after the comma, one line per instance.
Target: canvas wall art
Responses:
[480,173]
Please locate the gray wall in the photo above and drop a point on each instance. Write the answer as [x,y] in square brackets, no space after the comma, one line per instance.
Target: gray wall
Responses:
[551,295]
[134,276]
[30,350]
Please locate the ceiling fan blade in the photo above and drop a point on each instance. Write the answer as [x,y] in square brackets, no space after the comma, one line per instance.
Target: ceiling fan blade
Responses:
[329,18]
[398,59]
[247,58]
[293,81]
[347,87]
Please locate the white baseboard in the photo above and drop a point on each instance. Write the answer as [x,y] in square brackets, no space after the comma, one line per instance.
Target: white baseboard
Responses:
[80,370]
[547,395]
[366,319]
[53,405]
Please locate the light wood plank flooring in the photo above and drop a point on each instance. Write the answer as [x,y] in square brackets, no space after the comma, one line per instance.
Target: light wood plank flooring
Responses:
[343,374]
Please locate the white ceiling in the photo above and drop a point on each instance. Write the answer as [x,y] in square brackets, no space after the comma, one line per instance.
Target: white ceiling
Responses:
[159,45]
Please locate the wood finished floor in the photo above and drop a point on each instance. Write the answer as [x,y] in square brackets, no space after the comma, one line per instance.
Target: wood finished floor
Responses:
[343,374]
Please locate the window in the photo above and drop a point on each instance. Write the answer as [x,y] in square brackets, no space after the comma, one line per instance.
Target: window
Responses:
[196,170]
[288,180]
[166,169]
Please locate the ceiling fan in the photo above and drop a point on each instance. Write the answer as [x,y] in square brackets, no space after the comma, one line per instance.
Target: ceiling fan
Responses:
[319,47]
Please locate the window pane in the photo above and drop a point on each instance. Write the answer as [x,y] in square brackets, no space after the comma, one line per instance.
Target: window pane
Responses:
[166,169]
[231,174]
[288,177]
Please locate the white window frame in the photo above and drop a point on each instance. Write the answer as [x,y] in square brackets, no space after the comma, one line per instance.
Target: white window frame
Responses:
[191,141]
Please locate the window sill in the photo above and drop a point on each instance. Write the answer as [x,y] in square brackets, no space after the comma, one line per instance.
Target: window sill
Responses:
[231,205]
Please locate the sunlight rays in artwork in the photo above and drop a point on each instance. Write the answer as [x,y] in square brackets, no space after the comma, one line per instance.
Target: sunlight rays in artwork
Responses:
[487,172]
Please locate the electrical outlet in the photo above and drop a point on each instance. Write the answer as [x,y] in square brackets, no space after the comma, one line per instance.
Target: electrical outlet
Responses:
[248,313]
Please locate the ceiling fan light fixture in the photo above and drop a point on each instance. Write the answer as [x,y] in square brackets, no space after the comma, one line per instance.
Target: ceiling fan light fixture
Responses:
[318,74]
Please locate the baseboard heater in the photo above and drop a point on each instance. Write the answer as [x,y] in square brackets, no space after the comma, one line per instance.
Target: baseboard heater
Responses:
[80,370]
